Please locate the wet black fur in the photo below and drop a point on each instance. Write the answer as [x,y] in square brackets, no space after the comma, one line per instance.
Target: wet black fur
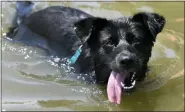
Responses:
[106,42]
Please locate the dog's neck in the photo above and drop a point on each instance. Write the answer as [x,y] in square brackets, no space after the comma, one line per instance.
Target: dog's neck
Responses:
[89,61]
[85,61]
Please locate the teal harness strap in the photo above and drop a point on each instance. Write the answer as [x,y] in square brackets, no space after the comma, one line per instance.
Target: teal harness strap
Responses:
[73,59]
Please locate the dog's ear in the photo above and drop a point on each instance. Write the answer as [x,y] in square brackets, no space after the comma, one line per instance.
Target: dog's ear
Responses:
[85,27]
[153,21]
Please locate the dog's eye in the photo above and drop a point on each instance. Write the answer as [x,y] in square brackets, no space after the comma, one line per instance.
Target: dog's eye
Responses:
[113,41]
[136,40]
[131,38]
[110,42]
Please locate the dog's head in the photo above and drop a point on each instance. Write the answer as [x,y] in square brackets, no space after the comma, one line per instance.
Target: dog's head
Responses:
[121,45]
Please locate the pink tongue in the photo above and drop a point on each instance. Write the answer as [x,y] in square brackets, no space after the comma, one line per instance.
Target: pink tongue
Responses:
[114,89]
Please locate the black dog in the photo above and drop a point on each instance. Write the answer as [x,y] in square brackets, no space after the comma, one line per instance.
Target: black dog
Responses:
[118,50]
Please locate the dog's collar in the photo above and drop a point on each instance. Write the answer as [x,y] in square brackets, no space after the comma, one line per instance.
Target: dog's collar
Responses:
[73,59]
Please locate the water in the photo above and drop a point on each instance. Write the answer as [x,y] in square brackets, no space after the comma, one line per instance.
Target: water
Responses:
[32,82]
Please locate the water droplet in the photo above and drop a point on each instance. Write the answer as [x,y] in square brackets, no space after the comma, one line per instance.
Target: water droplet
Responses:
[78,77]
[26,57]
[30,51]
[83,78]
[56,59]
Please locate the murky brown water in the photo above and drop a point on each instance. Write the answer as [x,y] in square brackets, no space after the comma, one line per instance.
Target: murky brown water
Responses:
[31,82]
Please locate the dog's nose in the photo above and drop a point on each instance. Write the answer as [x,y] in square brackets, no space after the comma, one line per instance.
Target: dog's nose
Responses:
[125,61]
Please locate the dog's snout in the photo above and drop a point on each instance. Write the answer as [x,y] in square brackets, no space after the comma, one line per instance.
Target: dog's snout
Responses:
[125,60]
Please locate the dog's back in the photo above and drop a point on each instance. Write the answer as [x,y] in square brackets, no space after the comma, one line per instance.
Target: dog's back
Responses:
[51,28]
[54,22]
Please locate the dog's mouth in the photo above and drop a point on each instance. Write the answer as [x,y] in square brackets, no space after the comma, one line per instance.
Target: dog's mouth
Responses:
[118,83]
[129,82]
